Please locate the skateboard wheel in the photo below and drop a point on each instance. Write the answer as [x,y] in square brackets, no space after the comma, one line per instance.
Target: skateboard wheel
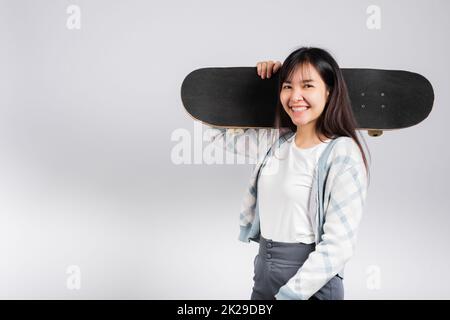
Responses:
[375,133]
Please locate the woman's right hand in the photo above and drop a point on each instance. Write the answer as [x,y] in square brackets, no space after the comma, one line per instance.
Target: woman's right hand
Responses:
[267,68]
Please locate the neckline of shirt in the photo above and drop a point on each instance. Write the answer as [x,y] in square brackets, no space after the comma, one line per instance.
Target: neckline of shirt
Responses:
[306,149]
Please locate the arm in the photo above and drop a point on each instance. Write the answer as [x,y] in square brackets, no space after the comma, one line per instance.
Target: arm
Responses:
[251,143]
[338,240]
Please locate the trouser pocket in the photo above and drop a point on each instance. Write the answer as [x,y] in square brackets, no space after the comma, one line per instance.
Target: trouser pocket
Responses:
[332,290]
[254,261]
[337,288]
[256,271]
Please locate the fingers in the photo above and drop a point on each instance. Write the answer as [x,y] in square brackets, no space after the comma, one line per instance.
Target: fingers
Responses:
[262,69]
[277,66]
[267,68]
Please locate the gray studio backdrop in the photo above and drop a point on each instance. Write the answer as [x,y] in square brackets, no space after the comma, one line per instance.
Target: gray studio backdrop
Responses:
[92,204]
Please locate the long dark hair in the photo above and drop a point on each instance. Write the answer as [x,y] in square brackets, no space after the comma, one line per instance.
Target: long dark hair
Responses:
[337,118]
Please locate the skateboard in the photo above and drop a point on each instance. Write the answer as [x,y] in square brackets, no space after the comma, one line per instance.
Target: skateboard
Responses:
[237,97]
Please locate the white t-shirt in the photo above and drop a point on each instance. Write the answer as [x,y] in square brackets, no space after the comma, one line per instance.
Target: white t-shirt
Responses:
[284,187]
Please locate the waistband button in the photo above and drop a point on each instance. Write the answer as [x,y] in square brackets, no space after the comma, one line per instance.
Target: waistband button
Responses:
[269,245]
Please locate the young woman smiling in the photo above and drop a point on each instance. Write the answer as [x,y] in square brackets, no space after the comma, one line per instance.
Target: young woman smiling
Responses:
[305,199]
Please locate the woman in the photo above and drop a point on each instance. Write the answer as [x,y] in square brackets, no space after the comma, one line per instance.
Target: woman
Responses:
[306,195]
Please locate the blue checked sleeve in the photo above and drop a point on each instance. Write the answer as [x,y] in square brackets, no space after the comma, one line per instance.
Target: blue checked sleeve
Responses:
[248,142]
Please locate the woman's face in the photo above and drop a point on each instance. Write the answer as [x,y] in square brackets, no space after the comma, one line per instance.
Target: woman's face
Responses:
[305,88]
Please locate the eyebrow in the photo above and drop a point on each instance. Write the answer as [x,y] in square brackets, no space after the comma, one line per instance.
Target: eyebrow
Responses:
[304,81]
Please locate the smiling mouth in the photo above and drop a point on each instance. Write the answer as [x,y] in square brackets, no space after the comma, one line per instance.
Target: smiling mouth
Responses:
[299,109]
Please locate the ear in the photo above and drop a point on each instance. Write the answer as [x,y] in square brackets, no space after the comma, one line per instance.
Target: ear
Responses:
[328,96]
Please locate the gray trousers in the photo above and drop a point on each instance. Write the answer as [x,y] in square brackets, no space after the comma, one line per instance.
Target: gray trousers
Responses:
[277,262]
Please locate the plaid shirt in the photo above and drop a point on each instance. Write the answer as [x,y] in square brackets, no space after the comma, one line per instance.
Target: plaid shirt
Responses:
[339,180]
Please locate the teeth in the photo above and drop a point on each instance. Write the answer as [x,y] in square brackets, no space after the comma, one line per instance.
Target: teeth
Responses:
[297,109]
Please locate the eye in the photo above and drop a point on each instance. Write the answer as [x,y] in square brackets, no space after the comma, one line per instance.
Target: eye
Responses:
[288,86]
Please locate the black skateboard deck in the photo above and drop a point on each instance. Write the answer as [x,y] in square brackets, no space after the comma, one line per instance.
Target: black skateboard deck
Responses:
[237,97]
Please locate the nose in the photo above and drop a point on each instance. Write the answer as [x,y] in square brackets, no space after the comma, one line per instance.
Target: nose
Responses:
[296,95]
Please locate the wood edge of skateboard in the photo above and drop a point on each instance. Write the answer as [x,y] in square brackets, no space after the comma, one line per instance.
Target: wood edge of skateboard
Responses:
[341,68]
[250,127]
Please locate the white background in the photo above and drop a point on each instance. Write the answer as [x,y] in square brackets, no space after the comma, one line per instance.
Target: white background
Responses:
[86,176]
